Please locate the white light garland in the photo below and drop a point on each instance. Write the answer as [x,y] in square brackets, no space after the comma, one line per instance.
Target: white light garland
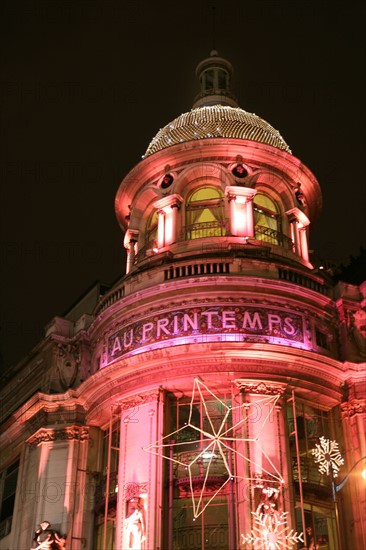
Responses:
[217,441]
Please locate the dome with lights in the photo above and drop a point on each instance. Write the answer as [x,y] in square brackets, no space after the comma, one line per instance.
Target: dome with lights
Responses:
[215,113]
[216,121]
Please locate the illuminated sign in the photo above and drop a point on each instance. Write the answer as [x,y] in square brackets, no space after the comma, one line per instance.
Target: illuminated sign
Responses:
[244,322]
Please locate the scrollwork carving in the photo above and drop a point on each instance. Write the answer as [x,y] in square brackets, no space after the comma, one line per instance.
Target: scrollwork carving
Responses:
[262,388]
[78,433]
[134,489]
[136,400]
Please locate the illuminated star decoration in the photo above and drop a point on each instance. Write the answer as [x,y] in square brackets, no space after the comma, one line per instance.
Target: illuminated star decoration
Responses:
[328,457]
[216,442]
[270,532]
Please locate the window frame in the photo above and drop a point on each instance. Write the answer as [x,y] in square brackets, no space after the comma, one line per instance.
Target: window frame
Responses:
[5,476]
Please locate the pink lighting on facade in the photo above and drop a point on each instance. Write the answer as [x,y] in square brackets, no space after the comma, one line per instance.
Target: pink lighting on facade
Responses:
[241,210]
[201,379]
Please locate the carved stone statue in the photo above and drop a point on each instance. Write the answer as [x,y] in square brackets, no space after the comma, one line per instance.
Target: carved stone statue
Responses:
[47,538]
[357,329]
[135,525]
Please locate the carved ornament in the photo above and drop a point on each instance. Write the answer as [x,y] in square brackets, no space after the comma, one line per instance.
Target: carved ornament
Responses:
[78,433]
[350,408]
[136,400]
[262,388]
[135,489]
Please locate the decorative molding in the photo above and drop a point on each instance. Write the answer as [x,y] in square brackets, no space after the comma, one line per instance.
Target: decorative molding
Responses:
[350,408]
[135,489]
[262,388]
[140,399]
[67,360]
[78,433]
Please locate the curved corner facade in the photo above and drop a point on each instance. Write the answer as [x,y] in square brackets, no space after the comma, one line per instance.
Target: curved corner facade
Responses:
[179,408]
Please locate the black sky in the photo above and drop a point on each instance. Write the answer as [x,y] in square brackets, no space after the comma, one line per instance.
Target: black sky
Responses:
[86,84]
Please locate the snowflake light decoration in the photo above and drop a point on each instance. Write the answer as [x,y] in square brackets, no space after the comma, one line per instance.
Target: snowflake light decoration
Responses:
[328,457]
[270,532]
[216,441]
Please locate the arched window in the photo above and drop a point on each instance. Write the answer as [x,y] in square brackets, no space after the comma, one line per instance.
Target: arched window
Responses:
[267,219]
[152,228]
[205,214]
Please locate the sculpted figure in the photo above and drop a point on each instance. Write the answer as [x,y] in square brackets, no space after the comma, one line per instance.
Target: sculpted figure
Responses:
[47,538]
[357,329]
[135,525]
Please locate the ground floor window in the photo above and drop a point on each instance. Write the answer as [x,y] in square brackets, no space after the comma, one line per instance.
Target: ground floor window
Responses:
[200,517]
[8,486]
[320,527]
[209,530]
[101,536]
[107,488]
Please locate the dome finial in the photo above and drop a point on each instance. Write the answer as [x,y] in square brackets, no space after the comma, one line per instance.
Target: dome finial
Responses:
[213,30]
[214,74]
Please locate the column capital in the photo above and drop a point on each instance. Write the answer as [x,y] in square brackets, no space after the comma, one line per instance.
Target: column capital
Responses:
[246,194]
[297,215]
[350,408]
[131,236]
[260,387]
[173,201]
[70,433]
[137,400]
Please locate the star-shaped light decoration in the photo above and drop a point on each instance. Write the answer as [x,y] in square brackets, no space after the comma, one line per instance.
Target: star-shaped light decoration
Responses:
[216,444]
[270,532]
[328,457]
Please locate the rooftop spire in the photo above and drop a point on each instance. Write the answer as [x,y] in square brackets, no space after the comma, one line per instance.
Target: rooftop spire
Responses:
[214,74]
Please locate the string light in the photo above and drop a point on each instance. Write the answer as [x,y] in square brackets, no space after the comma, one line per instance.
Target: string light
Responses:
[217,440]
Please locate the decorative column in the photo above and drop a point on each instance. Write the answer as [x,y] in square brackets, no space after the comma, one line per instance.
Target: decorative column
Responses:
[265,467]
[353,494]
[241,210]
[299,223]
[130,242]
[250,216]
[303,243]
[161,228]
[167,208]
[140,473]
[55,484]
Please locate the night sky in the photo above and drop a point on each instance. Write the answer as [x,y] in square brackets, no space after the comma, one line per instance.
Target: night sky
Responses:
[86,84]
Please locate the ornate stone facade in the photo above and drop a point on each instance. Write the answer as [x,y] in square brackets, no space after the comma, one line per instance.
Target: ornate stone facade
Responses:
[220,310]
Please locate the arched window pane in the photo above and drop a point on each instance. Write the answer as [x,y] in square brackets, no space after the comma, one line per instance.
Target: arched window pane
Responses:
[205,214]
[266,219]
[152,227]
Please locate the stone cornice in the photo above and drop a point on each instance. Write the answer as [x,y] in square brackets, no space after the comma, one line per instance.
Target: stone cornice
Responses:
[306,369]
[70,433]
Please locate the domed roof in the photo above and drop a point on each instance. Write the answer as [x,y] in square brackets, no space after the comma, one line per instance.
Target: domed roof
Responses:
[216,121]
